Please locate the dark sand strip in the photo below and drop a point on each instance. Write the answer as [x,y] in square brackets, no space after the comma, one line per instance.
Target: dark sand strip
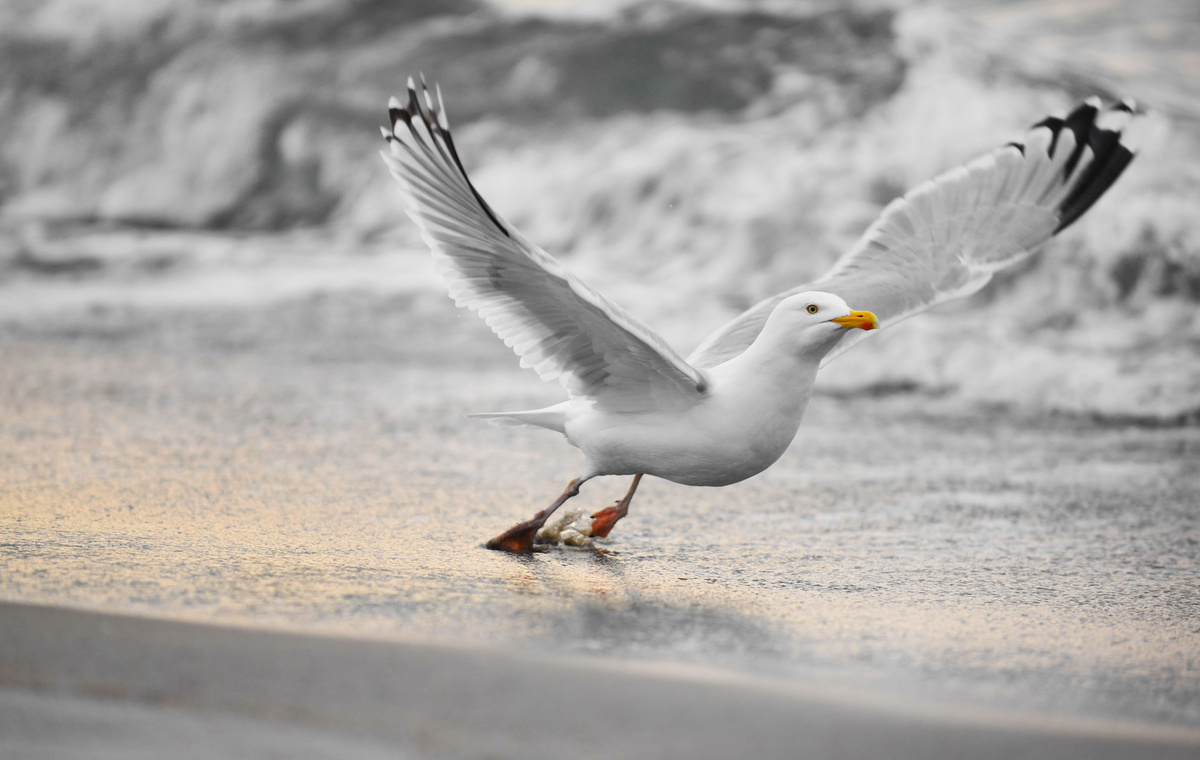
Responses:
[469,702]
[41,726]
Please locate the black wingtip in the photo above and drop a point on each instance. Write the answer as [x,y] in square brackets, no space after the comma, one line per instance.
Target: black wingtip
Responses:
[1110,156]
[427,111]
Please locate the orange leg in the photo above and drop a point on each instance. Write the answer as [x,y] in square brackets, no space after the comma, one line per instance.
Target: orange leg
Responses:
[604,520]
[519,538]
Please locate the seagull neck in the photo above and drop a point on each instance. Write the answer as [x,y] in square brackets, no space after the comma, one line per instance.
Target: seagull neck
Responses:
[775,358]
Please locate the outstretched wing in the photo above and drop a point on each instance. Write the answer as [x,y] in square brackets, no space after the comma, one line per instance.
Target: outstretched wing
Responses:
[558,325]
[945,238]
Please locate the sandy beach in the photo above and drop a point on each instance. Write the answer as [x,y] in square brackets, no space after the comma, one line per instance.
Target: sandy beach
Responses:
[157,686]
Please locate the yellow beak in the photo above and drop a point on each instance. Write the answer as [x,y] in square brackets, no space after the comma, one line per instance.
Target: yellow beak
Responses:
[864,319]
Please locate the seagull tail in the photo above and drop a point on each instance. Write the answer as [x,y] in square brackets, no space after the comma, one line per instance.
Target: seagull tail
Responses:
[550,418]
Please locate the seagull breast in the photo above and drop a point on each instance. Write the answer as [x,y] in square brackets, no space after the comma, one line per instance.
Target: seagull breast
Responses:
[746,421]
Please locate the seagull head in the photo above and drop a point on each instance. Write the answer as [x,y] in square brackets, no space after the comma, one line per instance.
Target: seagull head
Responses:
[816,320]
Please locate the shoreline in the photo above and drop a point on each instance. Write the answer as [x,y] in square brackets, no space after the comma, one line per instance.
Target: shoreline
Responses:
[458,700]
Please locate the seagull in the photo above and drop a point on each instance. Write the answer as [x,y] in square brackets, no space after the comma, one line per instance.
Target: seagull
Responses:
[728,411]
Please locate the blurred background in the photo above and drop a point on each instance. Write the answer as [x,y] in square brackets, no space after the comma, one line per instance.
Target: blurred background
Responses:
[163,157]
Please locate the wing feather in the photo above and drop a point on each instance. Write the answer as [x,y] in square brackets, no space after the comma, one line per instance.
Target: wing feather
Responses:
[559,326]
[945,238]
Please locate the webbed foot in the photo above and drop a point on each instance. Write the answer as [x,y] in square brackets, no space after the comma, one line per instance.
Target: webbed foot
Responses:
[518,539]
[604,520]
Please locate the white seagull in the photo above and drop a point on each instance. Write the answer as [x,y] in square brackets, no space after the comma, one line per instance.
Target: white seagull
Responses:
[728,411]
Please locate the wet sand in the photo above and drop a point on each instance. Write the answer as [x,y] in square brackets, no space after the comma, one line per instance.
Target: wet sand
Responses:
[303,465]
[423,700]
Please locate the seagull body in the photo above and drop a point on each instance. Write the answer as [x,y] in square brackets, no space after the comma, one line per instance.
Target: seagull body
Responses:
[742,422]
[732,408]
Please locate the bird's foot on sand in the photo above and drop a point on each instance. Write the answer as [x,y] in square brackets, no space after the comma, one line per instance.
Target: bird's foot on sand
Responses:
[573,528]
[518,539]
[604,520]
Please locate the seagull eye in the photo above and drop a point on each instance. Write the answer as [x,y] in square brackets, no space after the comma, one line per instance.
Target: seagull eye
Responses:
[812,308]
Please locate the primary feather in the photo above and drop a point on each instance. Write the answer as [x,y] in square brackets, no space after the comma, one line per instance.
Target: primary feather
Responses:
[557,324]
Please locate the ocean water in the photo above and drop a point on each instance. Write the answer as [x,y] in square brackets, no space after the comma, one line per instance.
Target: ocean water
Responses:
[684,190]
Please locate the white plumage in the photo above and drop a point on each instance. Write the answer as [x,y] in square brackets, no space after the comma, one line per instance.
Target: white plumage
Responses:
[946,237]
[635,406]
